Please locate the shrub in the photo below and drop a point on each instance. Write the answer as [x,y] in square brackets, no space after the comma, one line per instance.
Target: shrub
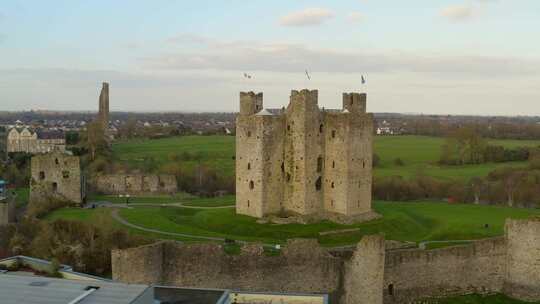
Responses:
[399,162]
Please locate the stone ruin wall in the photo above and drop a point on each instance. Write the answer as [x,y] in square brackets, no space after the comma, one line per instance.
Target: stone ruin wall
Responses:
[7,211]
[135,184]
[58,176]
[413,274]
[523,260]
[368,274]
[303,266]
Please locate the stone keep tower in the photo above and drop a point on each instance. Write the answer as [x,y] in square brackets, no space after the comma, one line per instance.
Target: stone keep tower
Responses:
[303,160]
[103,115]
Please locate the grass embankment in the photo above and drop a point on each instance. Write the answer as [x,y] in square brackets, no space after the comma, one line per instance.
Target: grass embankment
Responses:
[418,153]
[421,221]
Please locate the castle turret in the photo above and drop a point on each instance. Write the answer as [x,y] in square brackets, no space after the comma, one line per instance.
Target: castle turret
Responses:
[303,154]
[355,102]
[250,103]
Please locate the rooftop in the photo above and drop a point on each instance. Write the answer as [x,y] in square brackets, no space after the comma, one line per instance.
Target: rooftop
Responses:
[27,284]
[16,289]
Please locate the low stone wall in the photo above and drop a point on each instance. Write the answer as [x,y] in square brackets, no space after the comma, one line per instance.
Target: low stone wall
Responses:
[413,274]
[368,274]
[135,184]
[303,267]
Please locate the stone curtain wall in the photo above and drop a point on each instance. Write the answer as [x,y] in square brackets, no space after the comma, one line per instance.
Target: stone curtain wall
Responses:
[523,261]
[135,184]
[416,273]
[368,274]
[139,265]
[302,267]
[364,272]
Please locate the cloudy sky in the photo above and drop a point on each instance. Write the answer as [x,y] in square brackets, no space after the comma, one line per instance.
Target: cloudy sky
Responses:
[419,56]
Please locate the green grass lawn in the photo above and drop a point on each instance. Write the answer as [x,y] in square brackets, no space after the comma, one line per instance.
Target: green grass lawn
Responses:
[216,151]
[420,221]
[142,199]
[419,154]
[95,216]
[227,200]
[181,197]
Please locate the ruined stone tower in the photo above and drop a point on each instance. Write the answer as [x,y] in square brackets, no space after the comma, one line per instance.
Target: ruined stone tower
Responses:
[103,115]
[303,160]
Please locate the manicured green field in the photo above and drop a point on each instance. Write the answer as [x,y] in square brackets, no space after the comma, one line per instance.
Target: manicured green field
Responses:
[227,200]
[143,199]
[216,151]
[418,153]
[422,221]
[96,215]
[185,199]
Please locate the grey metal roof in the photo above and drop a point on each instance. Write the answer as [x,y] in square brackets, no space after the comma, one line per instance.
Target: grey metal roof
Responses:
[16,289]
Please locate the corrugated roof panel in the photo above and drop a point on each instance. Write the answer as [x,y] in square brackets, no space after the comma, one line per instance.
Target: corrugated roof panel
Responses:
[18,289]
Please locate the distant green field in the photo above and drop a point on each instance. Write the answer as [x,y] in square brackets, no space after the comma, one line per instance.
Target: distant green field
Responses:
[216,151]
[415,222]
[418,153]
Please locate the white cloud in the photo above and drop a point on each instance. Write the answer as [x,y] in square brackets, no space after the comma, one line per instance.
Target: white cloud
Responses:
[355,17]
[284,57]
[458,13]
[307,17]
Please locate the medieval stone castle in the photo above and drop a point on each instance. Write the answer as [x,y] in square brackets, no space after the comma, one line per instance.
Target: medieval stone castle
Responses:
[304,160]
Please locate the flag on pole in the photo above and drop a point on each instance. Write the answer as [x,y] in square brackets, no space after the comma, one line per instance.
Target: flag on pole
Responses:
[363,80]
[307,74]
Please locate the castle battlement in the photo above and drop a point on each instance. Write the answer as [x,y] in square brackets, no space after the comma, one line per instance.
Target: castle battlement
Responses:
[304,160]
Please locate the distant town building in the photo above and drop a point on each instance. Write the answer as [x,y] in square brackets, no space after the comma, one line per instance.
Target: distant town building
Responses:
[35,141]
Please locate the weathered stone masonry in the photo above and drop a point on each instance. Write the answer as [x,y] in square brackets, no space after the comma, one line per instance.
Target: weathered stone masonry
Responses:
[302,266]
[7,210]
[304,160]
[57,176]
[135,183]
[369,274]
